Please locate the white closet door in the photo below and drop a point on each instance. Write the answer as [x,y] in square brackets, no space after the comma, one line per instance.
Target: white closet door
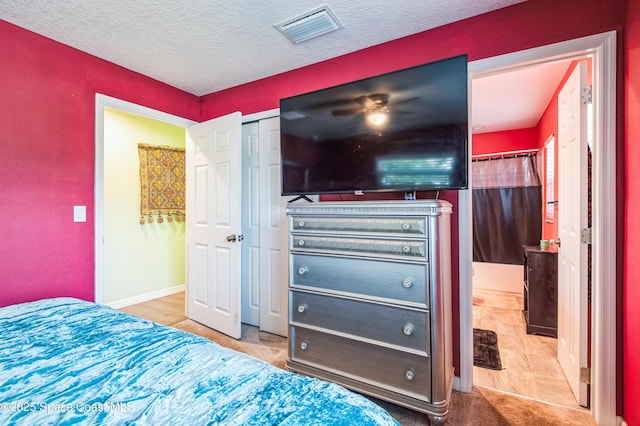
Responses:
[251,223]
[265,252]
[274,248]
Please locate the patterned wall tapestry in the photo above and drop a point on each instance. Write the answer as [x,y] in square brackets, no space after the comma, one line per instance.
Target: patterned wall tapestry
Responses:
[162,183]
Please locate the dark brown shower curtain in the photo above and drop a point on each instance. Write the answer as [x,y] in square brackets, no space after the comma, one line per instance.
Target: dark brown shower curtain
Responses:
[507,208]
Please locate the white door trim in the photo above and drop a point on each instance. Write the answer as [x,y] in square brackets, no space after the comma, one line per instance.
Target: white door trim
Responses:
[602,48]
[103,101]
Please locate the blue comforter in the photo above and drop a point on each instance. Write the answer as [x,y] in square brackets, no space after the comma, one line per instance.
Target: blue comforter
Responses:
[67,361]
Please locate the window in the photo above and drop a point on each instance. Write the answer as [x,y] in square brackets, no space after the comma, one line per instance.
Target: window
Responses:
[550,170]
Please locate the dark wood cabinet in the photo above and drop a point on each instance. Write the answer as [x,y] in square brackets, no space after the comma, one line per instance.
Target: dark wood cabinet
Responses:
[541,290]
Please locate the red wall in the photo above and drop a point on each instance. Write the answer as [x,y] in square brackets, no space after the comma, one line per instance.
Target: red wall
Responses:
[510,140]
[547,126]
[47,161]
[631,295]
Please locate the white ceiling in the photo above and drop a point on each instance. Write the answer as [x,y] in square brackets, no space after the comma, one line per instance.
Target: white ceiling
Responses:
[203,46]
[514,99]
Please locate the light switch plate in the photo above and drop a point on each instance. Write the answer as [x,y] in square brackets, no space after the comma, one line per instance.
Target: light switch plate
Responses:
[79,213]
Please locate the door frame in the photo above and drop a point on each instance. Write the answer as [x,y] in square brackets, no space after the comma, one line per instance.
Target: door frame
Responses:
[602,48]
[102,102]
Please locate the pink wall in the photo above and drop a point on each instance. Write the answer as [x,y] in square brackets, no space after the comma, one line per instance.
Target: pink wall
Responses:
[47,162]
[631,295]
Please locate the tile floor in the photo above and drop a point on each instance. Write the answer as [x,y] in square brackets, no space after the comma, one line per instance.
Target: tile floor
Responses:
[529,362]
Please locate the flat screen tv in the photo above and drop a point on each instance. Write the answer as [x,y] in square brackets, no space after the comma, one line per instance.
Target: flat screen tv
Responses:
[402,131]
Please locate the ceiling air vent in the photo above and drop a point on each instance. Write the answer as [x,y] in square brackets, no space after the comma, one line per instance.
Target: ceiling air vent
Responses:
[311,24]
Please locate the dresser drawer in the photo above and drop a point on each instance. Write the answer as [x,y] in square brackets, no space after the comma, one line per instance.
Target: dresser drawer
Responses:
[404,327]
[380,225]
[404,282]
[408,249]
[391,369]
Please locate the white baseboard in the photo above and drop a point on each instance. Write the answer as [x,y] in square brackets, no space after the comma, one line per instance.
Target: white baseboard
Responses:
[146,297]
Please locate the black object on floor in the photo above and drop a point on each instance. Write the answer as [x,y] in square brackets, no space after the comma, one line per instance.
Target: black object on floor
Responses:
[485,349]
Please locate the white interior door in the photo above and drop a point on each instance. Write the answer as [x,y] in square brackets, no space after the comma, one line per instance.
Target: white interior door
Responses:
[274,247]
[213,169]
[572,218]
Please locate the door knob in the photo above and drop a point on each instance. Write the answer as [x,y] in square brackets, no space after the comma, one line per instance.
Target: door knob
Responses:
[231,238]
[557,242]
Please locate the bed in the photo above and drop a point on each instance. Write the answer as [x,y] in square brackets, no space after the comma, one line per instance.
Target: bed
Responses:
[67,361]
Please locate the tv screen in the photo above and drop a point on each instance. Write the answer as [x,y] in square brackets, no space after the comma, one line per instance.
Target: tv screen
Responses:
[402,131]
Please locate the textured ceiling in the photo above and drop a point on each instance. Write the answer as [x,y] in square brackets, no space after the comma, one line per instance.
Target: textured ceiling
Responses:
[202,46]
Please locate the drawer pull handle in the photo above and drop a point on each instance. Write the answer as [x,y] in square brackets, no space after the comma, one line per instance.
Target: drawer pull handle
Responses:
[301,224]
[304,346]
[302,308]
[300,242]
[303,270]
[406,249]
[407,329]
[406,226]
[409,375]
[407,283]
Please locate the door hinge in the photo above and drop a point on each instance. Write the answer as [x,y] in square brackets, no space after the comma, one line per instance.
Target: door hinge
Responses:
[585,236]
[585,375]
[586,95]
